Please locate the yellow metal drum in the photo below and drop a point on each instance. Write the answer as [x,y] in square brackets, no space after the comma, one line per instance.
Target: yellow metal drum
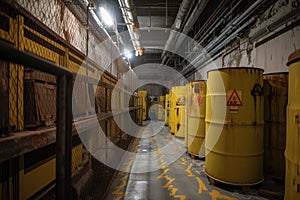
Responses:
[167,109]
[195,108]
[180,93]
[172,116]
[275,100]
[292,152]
[186,115]
[142,103]
[161,108]
[234,145]
[162,100]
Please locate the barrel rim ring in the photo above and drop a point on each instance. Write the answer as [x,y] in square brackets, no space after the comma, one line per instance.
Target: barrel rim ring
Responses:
[276,73]
[235,184]
[226,68]
[200,80]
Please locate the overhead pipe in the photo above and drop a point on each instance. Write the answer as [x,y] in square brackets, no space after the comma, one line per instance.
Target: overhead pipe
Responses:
[223,37]
[131,20]
[214,50]
[275,25]
[256,36]
[237,21]
[194,16]
[216,24]
[211,17]
[187,27]
[183,9]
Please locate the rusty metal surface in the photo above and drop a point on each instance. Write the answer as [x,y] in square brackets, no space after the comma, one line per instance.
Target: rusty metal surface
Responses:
[26,141]
[40,101]
[294,57]
[4,113]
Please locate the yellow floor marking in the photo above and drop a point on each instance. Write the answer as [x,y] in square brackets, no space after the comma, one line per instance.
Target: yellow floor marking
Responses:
[183,161]
[122,196]
[119,188]
[162,166]
[168,184]
[161,157]
[173,192]
[201,186]
[217,195]
[162,175]
[181,197]
[188,171]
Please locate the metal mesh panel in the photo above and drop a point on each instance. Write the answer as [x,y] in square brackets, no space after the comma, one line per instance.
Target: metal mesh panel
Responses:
[4,123]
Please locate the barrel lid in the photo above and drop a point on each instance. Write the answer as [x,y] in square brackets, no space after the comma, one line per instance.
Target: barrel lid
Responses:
[294,57]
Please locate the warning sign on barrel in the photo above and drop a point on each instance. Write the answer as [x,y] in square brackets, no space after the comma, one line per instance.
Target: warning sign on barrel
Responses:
[234,98]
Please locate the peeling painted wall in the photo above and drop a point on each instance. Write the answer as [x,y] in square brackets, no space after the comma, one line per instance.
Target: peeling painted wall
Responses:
[271,56]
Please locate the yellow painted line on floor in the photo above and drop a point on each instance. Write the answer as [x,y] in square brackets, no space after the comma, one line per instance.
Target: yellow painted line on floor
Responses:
[173,192]
[163,165]
[201,185]
[163,174]
[121,196]
[188,171]
[183,161]
[168,184]
[161,157]
[119,188]
[216,195]
[181,197]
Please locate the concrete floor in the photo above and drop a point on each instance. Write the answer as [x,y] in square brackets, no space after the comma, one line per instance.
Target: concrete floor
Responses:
[183,179]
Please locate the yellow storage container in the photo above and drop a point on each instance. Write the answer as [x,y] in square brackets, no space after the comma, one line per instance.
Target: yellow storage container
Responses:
[180,115]
[172,116]
[162,100]
[161,113]
[161,108]
[234,145]
[167,109]
[195,109]
[275,98]
[186,115]
[142,103]
[180,96]
[292,151]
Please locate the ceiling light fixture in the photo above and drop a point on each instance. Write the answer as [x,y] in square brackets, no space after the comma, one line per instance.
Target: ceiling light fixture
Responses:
[127,54]
[106,18]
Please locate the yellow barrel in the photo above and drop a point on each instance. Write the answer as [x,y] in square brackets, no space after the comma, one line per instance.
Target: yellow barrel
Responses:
[162,100]
[292,151]
[186,115]
[234,144]
[161,108]
[180,93]
[275,100]
[172,117]
[167,109]
[196,117]
[142,103]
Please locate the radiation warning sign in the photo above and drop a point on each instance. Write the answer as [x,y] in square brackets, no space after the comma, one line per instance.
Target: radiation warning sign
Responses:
[234,98]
